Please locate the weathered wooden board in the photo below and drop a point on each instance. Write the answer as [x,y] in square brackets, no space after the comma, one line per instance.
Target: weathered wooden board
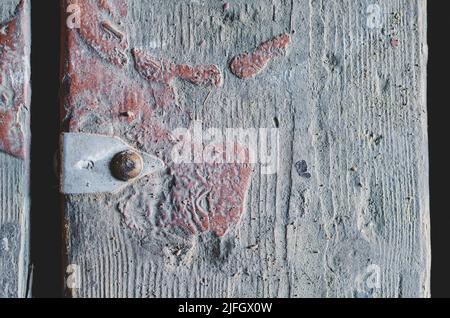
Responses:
[345,215]
[14,147]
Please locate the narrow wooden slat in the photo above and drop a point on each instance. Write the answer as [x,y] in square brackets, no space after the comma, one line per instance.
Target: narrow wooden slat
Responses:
[14,148]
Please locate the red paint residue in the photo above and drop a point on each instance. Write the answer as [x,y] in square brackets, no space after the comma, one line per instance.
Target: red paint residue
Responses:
[206,197]
[164,71]
[395,42]
[100,20]
[249,65]
[14,86]
[115,8]
[11,137]
[161,73]
[144,111]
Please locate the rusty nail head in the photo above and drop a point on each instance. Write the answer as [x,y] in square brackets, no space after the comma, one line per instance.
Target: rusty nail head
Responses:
[127,165]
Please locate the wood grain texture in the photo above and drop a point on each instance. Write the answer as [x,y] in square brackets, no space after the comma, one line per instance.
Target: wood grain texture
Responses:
[14,148]
[350,199]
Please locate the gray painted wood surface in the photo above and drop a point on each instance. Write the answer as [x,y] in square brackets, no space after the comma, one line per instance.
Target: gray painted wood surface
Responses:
[14,171]
[349,98]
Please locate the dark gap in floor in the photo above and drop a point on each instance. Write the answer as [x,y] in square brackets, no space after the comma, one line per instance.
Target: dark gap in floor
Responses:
[438,132]
[46,225]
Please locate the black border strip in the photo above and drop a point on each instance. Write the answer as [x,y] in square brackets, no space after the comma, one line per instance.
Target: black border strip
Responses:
[46,238]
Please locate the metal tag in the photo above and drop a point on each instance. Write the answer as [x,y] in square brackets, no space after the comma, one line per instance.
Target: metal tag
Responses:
[86,160]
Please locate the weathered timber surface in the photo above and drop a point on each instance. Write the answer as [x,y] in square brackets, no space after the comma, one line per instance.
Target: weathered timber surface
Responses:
[346,214]
[14,147]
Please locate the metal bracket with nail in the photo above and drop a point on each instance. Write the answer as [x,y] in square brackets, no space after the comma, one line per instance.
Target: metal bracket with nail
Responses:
[102,164]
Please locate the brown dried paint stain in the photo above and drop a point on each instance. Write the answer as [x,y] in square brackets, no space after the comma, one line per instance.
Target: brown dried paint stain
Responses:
[14,86]
[249,65]
[99,95]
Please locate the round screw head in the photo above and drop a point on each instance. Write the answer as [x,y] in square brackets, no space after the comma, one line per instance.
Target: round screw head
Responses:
[127,165]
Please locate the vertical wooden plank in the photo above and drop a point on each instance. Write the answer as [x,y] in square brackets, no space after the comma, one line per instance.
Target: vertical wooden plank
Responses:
[346,213]
[14,147]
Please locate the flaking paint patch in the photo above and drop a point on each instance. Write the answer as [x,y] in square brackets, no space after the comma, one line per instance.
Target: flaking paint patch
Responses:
[162,73]
[165,71]
[207,197]
[14,86]
[248,65]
